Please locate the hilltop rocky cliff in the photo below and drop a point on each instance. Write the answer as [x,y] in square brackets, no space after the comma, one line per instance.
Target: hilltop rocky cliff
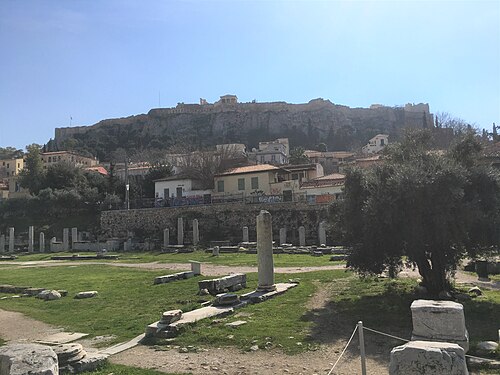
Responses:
[201,125]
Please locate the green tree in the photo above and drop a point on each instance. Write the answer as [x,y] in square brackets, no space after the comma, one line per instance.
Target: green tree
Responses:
[157,171]
[431,208]
[64,175]
[32,176]
[298,156]
[10,153]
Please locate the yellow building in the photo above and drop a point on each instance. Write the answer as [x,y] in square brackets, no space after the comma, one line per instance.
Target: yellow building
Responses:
[246,180]
[11,167]
[50,158]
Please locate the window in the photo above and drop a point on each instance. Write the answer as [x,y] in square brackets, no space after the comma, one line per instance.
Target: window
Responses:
[166,193]
[241,184]
[179,192]
[50,159]
[382,142]
[262,159]
[255,182]
[273,157]
[220,186]
[295,176]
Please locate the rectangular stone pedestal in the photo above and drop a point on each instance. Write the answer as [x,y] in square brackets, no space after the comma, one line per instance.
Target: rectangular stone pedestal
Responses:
[439,321]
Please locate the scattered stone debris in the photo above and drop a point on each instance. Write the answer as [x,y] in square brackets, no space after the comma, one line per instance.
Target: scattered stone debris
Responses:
[236,324]
[49,295]
[173,277]
[33,359]
[8,257]
[88,294]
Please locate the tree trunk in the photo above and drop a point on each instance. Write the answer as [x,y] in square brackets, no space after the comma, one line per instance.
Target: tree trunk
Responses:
[433,275]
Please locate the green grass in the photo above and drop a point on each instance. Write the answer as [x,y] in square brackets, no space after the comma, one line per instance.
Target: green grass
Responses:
[128,301]
[124,370]
[280,260]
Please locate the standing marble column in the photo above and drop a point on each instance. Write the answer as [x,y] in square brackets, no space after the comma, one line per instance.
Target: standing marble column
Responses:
[65,239]
[265,251]
[11,239]
[31,238]
[245,234]
[302,236]
[166,238]
[282,236]
[74,237]
[196,232]
[42,242]
[322,233]
[180,231]
[2,243]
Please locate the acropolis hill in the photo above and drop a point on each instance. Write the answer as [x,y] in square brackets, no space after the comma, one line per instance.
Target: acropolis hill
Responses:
[227,120]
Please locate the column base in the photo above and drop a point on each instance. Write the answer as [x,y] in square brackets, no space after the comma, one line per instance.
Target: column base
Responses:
[266,288]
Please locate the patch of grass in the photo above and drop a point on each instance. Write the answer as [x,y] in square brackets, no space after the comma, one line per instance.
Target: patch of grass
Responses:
[125,370]
[240,259]
[278,322]
[126,303]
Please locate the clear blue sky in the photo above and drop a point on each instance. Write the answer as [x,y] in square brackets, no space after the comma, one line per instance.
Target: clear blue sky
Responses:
[93,60]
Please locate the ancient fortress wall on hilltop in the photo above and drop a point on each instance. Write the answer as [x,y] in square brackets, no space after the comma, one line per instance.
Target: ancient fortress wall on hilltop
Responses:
[247,122]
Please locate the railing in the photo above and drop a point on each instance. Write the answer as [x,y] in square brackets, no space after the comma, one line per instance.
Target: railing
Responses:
[209,199]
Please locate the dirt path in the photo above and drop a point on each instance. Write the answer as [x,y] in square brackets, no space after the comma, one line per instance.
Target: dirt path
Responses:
[208,269]
[17,327]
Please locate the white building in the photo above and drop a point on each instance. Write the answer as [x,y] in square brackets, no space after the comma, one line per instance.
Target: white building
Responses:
[179,187]
[376,144]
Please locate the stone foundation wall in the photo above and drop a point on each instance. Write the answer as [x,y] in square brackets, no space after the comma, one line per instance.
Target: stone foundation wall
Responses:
[216,222]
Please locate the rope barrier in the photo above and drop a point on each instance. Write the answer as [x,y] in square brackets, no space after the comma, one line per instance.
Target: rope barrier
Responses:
[386,334]
[399,338]
[343,351]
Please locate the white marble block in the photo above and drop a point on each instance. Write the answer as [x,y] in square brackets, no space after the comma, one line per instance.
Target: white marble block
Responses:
[428,358]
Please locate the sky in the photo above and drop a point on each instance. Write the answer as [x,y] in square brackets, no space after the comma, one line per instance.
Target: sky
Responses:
[78,62]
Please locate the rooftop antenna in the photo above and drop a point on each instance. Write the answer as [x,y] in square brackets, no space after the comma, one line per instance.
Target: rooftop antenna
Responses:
[70,120]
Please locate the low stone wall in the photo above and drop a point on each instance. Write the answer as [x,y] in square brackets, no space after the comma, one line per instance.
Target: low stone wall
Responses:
[216,222]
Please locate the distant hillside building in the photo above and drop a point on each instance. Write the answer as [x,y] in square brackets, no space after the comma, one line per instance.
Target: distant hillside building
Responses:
[376,144]
[275,152]
[228,99]
[70,157]
[331,161]
[11,167]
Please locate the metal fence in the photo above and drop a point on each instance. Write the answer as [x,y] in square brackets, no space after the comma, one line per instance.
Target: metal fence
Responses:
[209,199]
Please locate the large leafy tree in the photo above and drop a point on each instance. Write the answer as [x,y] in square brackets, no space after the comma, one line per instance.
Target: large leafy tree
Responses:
[429,207]
[32,176]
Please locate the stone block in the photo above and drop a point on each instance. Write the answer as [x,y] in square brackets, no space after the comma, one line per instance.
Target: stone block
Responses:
[33,359]
[439,321]
[428,358]
[195,267]
[89,294]
[226,299]
[217,286]
[170,316]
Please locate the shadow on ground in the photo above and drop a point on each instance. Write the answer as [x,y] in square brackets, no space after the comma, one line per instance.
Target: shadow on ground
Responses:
[384,305]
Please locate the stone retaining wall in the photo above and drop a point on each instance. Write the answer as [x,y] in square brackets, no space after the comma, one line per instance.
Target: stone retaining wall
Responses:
[216,222]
